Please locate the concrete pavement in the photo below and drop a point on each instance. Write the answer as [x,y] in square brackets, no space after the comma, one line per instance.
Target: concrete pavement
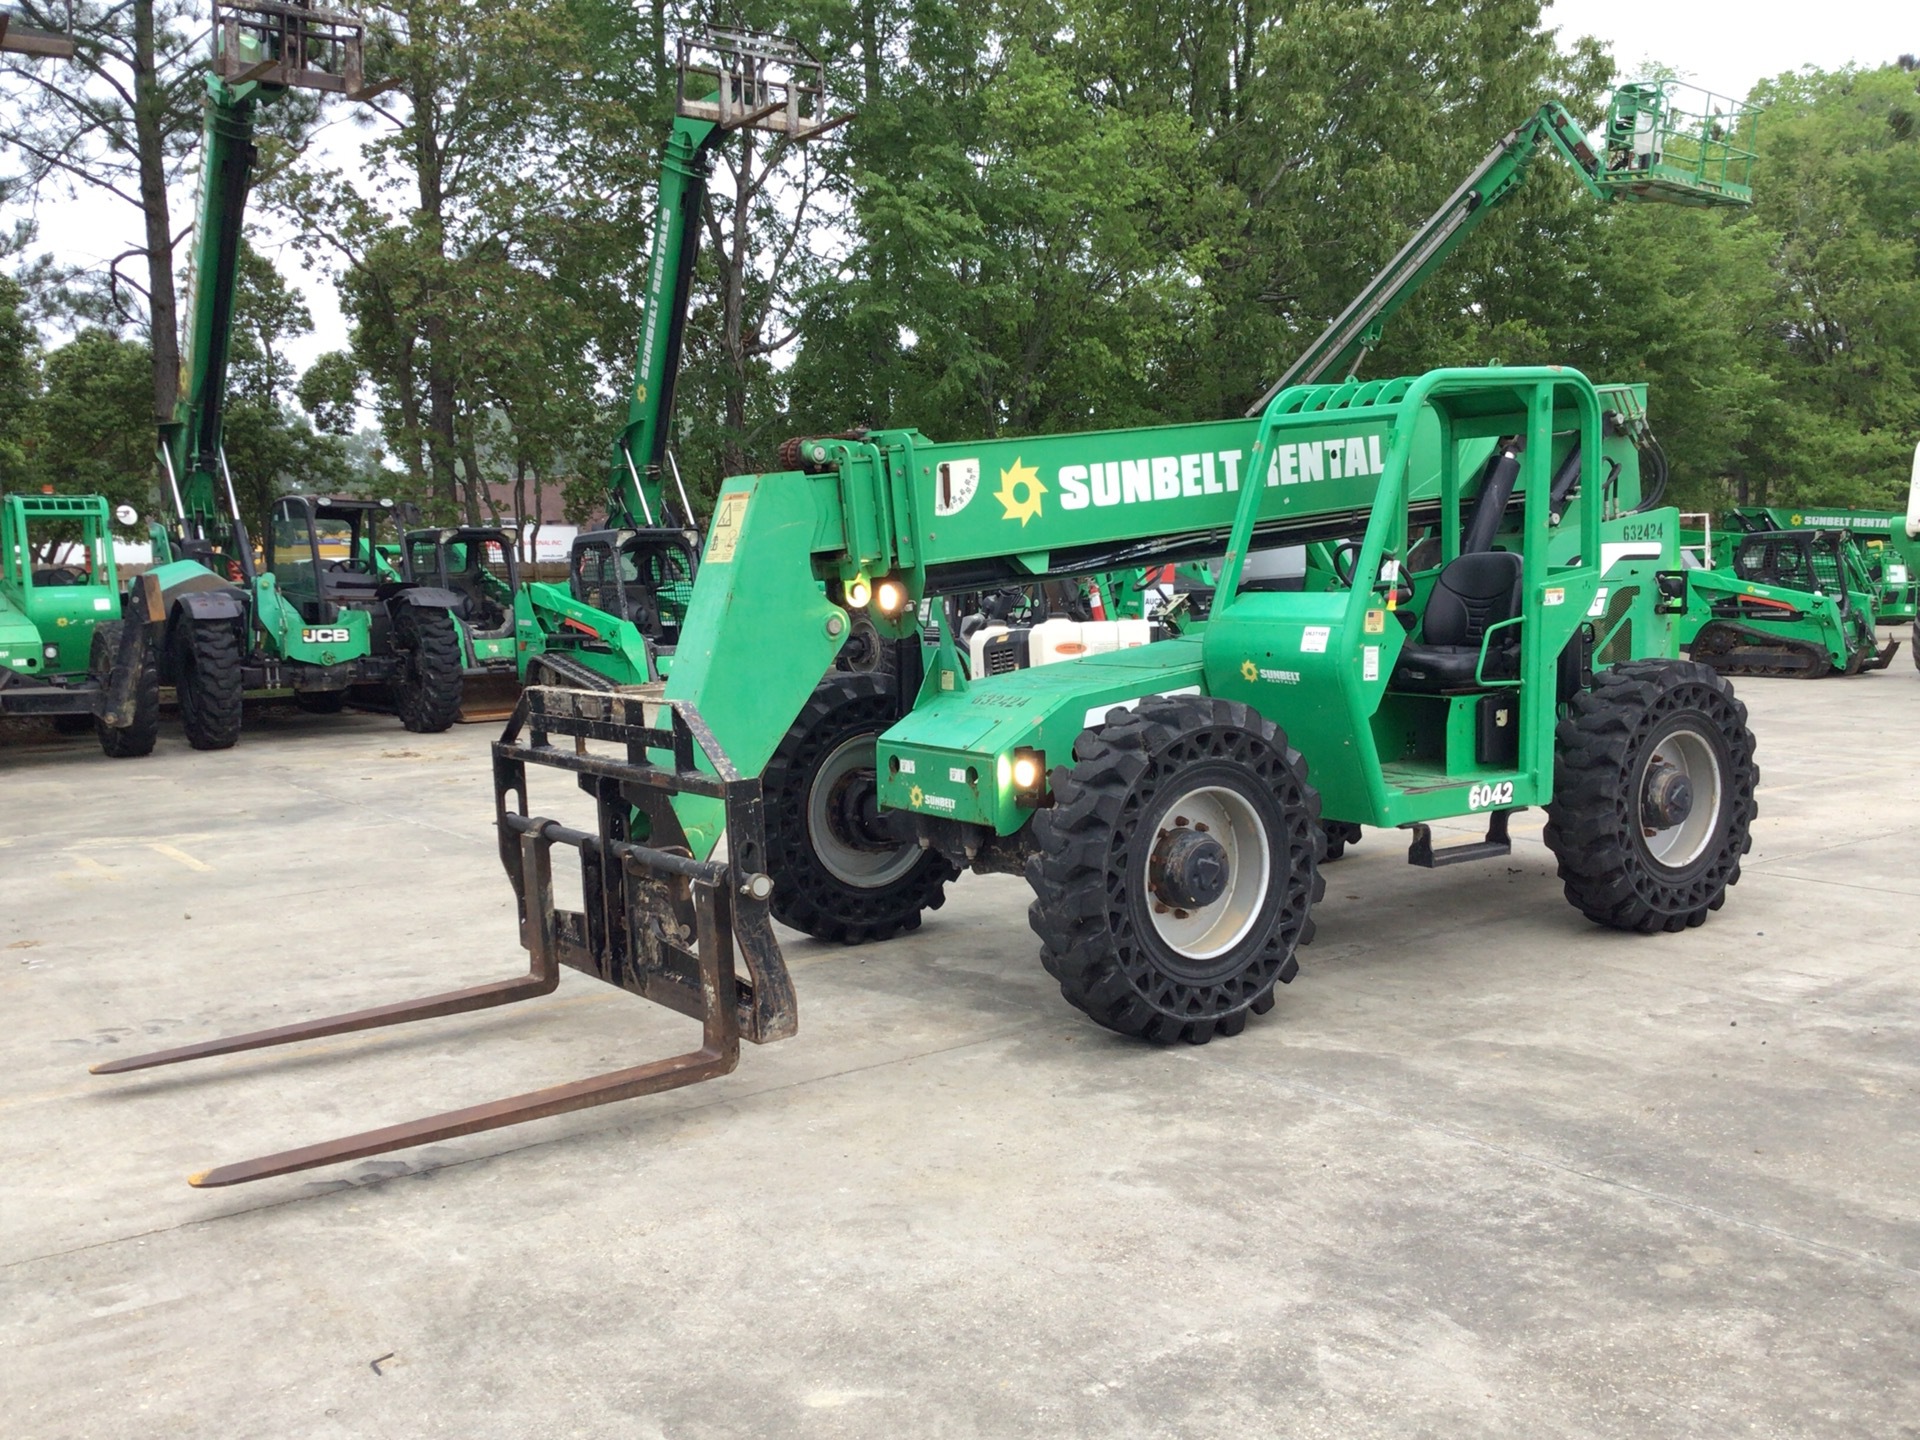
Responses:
[1486,1170]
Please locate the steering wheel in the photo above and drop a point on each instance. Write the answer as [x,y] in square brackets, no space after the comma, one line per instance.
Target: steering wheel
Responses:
[1346,555]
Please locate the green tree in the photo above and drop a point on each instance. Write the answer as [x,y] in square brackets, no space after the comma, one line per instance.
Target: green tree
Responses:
[91,426]
[1838,191]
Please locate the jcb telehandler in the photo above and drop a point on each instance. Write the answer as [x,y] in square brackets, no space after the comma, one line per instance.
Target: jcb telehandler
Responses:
[310,622]
[1496,632]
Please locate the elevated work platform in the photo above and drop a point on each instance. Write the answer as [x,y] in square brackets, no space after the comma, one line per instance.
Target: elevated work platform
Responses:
[1672,142]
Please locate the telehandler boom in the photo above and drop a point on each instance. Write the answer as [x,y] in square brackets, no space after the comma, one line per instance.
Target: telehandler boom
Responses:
[618,619]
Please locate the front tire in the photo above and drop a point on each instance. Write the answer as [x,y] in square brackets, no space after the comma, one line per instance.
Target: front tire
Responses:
[837,876]
[427,694]
[1177,872]
[207,681]
[1653,804]
[137,739]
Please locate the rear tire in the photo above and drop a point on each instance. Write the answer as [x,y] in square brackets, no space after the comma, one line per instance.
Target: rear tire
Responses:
[1128,945]
[829,880]
[138,738]
[1626,862]
[207,681]
[427,694]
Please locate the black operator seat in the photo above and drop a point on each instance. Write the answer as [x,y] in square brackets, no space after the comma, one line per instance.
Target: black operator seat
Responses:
[1472,595]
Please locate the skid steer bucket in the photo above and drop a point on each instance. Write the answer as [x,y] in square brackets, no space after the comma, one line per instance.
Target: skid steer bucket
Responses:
[488,696]
[654,921]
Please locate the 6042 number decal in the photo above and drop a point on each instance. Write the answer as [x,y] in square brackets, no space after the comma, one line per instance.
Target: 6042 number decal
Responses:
[1482,797]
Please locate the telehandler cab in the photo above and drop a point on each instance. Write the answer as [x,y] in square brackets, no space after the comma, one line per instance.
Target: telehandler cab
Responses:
[1493,630]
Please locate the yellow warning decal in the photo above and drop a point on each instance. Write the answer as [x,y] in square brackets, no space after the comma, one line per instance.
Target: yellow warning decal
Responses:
[725,535]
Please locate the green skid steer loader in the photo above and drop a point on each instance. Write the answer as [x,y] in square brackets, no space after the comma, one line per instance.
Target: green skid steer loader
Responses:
[1495,631]
[1790,603]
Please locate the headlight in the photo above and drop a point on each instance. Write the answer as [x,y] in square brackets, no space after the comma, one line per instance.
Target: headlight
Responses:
[892,596]
[1029,776]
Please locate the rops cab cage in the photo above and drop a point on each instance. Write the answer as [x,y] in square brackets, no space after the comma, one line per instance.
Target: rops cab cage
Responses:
[654,921]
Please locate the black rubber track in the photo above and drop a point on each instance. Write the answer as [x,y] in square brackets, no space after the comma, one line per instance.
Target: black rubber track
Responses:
[139,737]
[207,681]
[427,695]
[1594,824]
[1090,895]
[806,895]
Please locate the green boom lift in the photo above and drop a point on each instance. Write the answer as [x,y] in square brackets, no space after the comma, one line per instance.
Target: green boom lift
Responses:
[618,619]
[324,613]
[1499,634]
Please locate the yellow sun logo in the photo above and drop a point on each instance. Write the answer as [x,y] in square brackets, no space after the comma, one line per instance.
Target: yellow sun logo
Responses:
[916,797]
[1020,491]
[1249,671]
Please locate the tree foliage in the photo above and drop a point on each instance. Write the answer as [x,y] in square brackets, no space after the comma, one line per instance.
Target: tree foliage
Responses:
[1047,215]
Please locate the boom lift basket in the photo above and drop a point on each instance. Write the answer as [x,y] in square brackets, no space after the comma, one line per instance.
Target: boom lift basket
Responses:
[758,82]
[294,44]
[654,921]
[1672,142]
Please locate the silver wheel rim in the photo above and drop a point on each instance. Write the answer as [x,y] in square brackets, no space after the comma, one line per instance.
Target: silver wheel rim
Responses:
[1693,755]
[1212,930]
[851,864]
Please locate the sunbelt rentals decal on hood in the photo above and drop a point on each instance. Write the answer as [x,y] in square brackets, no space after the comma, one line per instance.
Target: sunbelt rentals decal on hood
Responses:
[1153,479]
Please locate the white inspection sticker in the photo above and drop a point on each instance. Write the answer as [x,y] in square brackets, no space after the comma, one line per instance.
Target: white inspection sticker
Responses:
[1370,662]
[1599,605]
[103,604]
[1313,640]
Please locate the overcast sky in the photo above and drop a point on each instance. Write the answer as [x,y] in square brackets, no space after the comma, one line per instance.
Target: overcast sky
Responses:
[1725,47]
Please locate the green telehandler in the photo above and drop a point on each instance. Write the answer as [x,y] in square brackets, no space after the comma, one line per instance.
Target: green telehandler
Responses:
[67,650]
[480,565]
[323,613]
[1496,631]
